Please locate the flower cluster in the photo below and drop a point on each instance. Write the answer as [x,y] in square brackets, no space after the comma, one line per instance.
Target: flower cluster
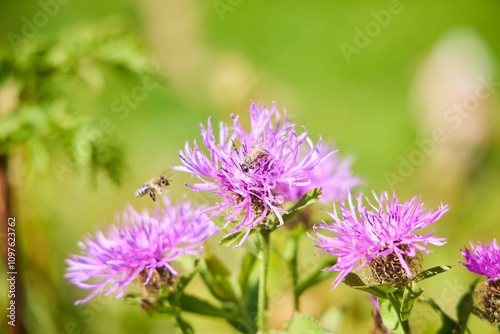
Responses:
[380,235]
[145,245]
[252,170]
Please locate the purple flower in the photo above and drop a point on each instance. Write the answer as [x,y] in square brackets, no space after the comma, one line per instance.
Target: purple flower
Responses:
[115,256]
[251,169]
[483,260]
[382,231]
[333,175]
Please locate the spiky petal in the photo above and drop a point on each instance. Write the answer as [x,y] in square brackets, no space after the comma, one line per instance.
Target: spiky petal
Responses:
[362,233]
[250,169]
[115,256]
[483,259]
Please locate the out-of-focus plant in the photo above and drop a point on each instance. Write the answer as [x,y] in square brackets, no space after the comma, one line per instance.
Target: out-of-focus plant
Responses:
[47,86]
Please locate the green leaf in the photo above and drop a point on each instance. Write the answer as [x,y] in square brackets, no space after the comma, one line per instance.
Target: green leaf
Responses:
[196,305]
[292,243]
[448,325]
[465,307]
[410,296]
[390,316]
[309,198]
[247,266]
[302,323]
[381,290]
[107,155]
[388,313]
[431,272]
[251,300]
[234,239]
[353,280]
[217,278]
[315,276]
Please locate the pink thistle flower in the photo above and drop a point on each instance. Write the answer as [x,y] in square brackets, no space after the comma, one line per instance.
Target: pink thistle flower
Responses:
[116,256]
[251,169]
[483,259]
[333,175]
[384,230]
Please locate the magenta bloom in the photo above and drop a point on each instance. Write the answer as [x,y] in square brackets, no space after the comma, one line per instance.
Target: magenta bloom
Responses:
[333,175]
[483,260]
[114,257]
[251,169]
[361,234]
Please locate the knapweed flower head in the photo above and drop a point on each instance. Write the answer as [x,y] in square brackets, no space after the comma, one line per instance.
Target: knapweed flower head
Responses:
[250,169]
[380,235]
[483,259]
[333,175]
[143,246]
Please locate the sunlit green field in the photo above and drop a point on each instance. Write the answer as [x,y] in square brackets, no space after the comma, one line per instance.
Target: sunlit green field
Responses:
[376,86]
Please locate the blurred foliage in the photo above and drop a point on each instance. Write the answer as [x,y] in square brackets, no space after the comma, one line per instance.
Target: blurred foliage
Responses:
[41,79]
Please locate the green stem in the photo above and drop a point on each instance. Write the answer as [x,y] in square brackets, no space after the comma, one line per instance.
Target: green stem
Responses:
[295,277]
[406,326]
[184,326]
[264,259]
[292,251]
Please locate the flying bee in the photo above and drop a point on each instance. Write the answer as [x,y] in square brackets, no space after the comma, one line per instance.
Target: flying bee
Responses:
[153,186]
[253,158]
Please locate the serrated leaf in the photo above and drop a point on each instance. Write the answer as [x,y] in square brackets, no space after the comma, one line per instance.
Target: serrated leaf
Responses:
[217,278]
[309,198]
[431,272]
[410,296]
[465,307]
[382,291]
[196,305]
[315,276]
[302,323]
[448,325]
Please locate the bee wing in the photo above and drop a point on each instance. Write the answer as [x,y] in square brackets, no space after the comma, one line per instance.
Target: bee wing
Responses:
[167,173]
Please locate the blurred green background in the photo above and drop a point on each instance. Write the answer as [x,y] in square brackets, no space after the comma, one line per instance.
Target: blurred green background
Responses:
[376,78]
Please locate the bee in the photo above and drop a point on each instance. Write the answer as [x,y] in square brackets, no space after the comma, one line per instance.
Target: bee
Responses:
[153,186]
[253,158]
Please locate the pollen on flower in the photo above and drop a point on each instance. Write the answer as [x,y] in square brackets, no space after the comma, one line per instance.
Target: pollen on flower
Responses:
[251,170]
[484,259]
[161,278]
[143,248]
[380,237]
[388,269]
[487,301]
